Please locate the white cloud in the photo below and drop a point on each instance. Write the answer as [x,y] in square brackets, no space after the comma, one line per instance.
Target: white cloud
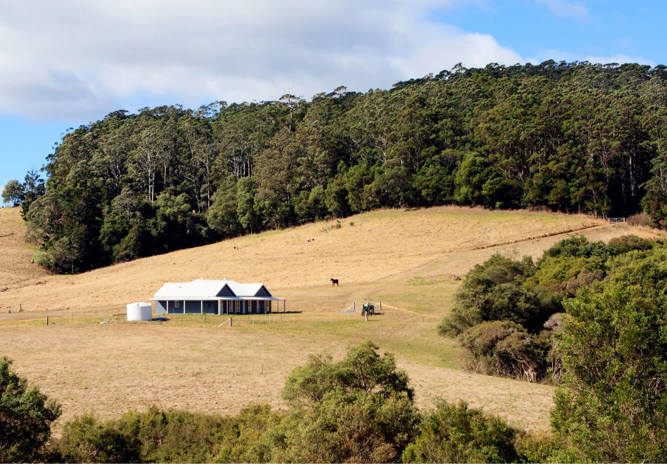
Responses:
[565,8]
[82,59]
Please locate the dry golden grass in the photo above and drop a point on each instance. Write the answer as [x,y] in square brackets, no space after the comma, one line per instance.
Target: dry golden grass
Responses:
[379,245]
[407,259]
[15,258]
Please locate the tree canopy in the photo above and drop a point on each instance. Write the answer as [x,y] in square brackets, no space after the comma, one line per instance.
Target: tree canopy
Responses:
[572,137]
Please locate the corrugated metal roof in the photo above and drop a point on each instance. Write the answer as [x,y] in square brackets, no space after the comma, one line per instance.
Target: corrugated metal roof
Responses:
[208,288]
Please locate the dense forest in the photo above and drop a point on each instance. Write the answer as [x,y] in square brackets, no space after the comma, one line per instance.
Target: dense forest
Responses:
[571,137]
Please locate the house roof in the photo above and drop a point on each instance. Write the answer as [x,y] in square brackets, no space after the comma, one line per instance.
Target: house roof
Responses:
[209,289]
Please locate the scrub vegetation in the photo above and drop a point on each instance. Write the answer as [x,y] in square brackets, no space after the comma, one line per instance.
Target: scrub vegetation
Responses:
[361,409]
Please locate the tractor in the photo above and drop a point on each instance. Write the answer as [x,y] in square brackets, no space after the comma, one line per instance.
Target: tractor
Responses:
[368,309]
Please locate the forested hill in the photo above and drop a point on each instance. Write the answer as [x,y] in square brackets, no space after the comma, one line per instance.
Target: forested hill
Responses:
[573,137]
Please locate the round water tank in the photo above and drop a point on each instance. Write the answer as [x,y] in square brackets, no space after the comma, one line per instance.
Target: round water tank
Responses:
[139,312]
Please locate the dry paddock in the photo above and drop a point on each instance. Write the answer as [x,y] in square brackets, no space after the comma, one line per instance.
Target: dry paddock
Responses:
[409,260]
[111,368]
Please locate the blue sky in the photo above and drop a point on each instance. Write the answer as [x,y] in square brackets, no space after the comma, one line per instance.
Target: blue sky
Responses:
[75,61]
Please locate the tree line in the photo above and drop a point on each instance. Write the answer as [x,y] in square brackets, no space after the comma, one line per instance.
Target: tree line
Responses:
[571,137]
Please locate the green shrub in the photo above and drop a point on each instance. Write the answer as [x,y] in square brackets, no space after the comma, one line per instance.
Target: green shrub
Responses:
[613,402]
[247,443]
[84,439]
[455,433]
[542,447]
[481,340]
[495,290]
[359,409]
[25,417]
[584,279]
[168,436]
[357,426]
[557,272]
[363,368]
[619,245]
[175,436]
[577,247]
[505,348]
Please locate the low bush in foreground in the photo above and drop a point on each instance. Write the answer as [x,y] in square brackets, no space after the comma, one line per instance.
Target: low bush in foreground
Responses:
[611,406]
[166,436]
[455,433]
[25,417]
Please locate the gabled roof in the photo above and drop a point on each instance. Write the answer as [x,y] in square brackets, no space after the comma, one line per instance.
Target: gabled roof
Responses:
[209,288]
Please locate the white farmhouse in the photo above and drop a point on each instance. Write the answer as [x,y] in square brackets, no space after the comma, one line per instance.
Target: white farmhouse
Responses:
[209,296]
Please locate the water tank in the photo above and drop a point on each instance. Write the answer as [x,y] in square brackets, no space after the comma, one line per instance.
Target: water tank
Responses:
[139,312]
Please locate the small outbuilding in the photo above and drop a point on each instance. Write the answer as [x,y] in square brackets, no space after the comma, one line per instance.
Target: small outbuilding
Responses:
[210,296]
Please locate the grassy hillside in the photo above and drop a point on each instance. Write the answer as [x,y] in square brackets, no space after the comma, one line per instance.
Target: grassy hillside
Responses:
[409,260]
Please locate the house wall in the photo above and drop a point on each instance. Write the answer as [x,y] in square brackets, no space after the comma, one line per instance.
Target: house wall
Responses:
[211,307]
[160,307]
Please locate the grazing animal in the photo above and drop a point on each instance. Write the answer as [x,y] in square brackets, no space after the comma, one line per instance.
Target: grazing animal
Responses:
[334,282]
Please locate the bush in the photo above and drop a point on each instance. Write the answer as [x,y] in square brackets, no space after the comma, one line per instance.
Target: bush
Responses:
[495,291]
[347,427]
[542,447]
[557,272]
[176,436]
[481,340]
[454,433]
[359,409]
[247,443]
[521,356]
[577,247]
[613,348]
[363,368]
[505,348]
[84,439]
[584,279]
[168,436]
[627,243]
[25,417]
[639,219]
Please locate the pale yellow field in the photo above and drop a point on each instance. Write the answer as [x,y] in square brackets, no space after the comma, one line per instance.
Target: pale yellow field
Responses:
[409,260]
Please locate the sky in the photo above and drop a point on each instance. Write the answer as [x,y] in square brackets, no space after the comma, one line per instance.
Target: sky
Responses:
[71,62]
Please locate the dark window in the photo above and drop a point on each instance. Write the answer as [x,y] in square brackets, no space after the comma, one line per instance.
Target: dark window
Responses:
[211,307]
[193,307]
[175,307]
